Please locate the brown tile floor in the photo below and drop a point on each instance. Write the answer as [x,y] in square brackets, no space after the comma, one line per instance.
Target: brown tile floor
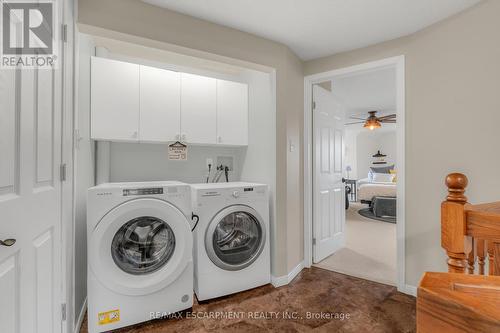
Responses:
[372,307]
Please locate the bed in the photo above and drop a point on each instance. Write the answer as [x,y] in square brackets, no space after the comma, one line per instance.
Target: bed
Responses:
[367,189]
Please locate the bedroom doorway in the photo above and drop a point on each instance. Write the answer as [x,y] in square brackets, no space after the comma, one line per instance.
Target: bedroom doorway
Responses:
[369,223]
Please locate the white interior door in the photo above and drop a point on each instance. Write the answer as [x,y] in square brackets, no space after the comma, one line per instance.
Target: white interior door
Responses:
[328,187]
[30,200]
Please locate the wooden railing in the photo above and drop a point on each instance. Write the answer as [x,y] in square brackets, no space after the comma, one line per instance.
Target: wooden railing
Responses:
[467,299]
[470,234]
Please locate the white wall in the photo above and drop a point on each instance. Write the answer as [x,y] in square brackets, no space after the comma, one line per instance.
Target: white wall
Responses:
[259,161]
[350,140]
[368,143]
[132,162]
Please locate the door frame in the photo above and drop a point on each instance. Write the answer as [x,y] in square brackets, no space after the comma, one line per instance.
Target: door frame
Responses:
[397,62]
[67,52]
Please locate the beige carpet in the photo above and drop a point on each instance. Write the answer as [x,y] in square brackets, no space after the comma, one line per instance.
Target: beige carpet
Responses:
[370,251]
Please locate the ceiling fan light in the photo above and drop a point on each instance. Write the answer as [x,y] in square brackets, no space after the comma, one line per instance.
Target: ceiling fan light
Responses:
[372,124]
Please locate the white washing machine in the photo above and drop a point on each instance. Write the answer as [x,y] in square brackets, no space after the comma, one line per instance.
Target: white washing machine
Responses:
[231,241]
[139,252]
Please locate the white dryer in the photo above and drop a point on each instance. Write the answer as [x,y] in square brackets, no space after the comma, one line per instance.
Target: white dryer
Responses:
[139,252]
[231,241]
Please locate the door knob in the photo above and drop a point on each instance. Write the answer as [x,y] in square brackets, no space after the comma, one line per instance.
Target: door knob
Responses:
[7,242]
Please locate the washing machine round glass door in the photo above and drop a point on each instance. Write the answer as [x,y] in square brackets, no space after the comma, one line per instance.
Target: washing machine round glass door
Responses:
[235,237]
[140,246]
[143,245]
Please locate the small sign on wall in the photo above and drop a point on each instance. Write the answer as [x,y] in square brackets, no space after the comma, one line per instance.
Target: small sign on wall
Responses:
[177,151]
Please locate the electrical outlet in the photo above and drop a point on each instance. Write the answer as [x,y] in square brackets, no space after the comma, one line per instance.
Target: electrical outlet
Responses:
[209,161]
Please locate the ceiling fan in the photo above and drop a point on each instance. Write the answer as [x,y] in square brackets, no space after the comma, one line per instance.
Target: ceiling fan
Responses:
[373,122]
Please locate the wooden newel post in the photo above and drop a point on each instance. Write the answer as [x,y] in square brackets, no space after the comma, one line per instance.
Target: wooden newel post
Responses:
[453,222]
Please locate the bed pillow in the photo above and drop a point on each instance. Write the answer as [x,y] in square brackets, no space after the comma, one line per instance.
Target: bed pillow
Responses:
[384,169]
[382,178]
[395,178]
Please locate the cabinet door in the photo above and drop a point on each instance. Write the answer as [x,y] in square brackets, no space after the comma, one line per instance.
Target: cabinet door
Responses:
[114,100]
[160,115]
[232,113]
[198,109]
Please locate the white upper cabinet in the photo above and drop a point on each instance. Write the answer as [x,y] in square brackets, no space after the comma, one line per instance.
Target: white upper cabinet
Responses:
[160,105]
[114,100]
[138,103]
[198,109]
[232,113]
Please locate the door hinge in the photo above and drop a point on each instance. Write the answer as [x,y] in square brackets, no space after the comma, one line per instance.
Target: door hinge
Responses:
[63,311]
[314,105]
[62,172]
[314,241]
[64,33]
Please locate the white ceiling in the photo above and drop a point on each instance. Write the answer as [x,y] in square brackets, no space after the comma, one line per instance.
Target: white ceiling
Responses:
[369,91]
[316,28]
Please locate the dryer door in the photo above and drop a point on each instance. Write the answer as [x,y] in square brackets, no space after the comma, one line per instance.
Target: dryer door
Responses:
[235,237]
[140,246]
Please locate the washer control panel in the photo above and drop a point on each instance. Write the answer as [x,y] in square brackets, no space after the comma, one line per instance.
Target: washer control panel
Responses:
[143,191]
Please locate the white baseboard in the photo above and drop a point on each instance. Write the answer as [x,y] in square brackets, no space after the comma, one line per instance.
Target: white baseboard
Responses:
[278,281]
[81,316]
[409,290]
[294,272]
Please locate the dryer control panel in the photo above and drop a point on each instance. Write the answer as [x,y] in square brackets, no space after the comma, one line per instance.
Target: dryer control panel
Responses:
[142,191]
